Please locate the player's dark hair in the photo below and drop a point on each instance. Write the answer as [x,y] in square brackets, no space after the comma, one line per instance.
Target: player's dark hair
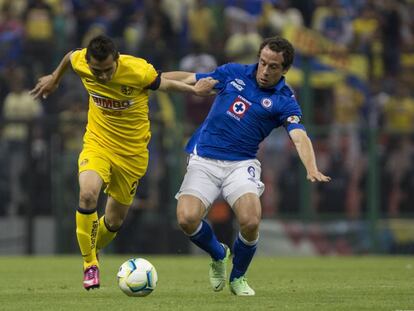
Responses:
[279,44]
[100,48]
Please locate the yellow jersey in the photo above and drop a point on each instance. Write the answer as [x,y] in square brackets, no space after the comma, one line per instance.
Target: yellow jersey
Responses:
[118,109]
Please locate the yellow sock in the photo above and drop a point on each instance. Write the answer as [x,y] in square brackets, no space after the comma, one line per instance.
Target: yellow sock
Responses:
[86,231]
[104,235]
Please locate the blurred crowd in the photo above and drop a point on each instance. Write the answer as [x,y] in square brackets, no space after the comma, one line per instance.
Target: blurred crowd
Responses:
[198,35]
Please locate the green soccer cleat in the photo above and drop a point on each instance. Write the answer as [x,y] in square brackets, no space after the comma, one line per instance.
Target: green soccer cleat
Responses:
[217,271]
[239,287]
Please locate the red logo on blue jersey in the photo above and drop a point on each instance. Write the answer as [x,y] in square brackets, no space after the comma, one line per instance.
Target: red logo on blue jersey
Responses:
[239,107]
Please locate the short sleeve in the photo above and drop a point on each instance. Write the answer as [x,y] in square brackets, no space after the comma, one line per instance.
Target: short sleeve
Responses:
[221,74]
[76,58]
[291,115]
[150,75]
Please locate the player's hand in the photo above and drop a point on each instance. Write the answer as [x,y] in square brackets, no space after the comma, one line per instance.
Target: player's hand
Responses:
[317,176]
[45,85]
[204,87]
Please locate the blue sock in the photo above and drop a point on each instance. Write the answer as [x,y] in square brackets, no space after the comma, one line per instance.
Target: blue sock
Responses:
[243,255]
[205,238]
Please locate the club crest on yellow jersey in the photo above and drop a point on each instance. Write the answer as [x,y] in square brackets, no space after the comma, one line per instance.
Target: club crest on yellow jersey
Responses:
[126,90]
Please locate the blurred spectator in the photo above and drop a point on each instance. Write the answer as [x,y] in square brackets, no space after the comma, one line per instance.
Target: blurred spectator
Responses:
[408,26]
[19,106]
[196,107]
[155,16]
[407,186]
[334,24]
[345,127]
[333,195]
[93,31]
[159,37]
[72,121]
[177,12]
[391,30]
[39,33]
[241,45]
[11,35]
[307,9]
[288,183]
[398,163]
[278,16]
[134,33]
[398,111]
[365,28]
[154,48]
[201,24]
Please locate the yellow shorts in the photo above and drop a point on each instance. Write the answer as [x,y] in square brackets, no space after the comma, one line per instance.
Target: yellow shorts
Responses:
[120,174]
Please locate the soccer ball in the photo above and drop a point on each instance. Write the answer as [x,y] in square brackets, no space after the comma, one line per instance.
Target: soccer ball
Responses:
[137,277]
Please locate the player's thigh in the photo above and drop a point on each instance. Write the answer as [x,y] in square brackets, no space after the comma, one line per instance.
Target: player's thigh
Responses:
[90,181]
[200,181]
[190,208]
[243,178]
[247,209]
[94,170]
[125,176]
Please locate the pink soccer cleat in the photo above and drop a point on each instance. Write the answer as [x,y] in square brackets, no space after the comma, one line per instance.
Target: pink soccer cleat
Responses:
[91,277]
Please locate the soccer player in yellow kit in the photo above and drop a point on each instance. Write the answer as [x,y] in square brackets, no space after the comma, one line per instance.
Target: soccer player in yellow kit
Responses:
[115,153]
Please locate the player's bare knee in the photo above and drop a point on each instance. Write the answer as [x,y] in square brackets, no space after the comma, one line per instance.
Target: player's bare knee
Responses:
[250,225]
[188,221]
[113,224]
[88,199]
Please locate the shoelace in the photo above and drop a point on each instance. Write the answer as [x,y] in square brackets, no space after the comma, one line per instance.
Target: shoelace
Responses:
[91,273]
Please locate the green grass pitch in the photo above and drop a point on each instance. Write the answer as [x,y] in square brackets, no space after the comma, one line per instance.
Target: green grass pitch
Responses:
[310,283]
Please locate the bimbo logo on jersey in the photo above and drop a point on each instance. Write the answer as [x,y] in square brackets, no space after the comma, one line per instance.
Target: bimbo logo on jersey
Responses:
[109,103]
[238,107]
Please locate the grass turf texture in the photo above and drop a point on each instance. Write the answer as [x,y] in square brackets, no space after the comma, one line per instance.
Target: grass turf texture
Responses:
[327,283]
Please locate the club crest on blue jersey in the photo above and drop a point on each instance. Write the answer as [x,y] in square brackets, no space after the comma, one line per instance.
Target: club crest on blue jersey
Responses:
[238,108]
[266,102]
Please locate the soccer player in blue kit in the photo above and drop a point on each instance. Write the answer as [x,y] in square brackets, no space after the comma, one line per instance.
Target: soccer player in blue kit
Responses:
[251,101]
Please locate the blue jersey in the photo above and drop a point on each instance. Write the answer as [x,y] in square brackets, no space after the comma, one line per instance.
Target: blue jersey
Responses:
[243,114]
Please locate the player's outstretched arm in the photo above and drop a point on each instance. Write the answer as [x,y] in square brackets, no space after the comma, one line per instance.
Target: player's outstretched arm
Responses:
[49,83]
[183,76]
[305,150]
[203,87]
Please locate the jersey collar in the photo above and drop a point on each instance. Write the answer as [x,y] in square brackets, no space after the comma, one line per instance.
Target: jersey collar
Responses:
[251,72]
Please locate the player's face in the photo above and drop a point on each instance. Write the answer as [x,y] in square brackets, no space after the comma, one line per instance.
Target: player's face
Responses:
[103,70]
[270,68]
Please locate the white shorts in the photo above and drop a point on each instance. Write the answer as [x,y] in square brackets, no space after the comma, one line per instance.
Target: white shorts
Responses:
[207,178]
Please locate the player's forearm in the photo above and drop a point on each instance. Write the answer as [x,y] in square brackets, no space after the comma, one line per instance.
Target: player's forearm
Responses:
[173,85]
[186,77]
[61,68]
[305,150]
